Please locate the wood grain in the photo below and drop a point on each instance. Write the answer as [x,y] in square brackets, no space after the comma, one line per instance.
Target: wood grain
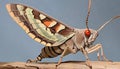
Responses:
[64,65]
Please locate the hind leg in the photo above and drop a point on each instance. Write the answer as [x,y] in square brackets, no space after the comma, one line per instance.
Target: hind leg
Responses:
[62,55]
[88,63]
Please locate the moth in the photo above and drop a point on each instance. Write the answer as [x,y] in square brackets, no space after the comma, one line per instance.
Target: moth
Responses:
[58,38]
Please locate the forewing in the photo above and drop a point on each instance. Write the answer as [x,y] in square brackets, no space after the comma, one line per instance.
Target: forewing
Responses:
[39,26]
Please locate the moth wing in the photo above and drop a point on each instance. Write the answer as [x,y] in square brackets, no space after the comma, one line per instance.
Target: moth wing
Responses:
[39,26]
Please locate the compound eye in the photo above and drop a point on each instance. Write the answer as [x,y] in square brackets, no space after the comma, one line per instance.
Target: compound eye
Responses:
[87,33]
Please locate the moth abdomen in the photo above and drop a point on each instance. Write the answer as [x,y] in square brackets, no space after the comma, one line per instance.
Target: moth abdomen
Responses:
[50,52]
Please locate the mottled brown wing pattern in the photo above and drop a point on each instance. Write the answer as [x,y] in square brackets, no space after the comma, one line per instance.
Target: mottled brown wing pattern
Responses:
[39,26]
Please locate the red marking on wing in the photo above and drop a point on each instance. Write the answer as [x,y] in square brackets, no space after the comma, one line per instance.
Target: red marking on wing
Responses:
[47,23]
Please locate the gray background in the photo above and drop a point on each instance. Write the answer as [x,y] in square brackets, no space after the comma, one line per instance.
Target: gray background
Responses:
[15,45]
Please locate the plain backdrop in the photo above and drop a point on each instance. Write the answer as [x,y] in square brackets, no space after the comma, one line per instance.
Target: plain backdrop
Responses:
[16,45]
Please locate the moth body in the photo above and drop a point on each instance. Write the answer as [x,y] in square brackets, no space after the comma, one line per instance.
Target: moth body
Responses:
[58,38]
[74,44]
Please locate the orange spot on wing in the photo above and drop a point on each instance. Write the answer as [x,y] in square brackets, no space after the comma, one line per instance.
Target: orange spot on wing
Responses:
[47,23]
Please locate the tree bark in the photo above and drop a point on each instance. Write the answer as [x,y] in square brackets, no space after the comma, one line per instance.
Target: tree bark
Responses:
[63,65]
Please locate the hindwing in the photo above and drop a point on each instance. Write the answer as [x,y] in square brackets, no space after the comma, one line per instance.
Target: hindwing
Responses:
[39,26]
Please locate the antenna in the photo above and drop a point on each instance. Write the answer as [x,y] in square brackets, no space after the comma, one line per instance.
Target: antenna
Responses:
[88,14]
[87,31]
[101,27]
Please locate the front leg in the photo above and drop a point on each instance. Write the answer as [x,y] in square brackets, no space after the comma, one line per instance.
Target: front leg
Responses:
[87,58]
[97,47]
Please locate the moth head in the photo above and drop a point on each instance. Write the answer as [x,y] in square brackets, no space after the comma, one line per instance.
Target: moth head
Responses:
[93,36]
[90,36]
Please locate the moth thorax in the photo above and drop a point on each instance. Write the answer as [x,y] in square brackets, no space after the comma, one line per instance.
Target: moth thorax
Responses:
[87,33]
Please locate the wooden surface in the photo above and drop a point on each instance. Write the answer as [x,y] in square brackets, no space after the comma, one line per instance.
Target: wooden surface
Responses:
[64,65]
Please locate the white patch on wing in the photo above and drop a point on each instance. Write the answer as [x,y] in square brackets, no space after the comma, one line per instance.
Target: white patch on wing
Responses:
[52,24]
[20,8]
[43,42]
[31,35]
[37,39]
[48,44]
[42,16]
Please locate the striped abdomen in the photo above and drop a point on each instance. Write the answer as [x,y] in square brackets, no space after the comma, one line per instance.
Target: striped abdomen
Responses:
[50,52]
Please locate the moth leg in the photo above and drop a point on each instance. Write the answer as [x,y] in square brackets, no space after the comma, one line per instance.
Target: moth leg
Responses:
[98,55]
[62,55]
[87,58]
[103,55]
[97,47]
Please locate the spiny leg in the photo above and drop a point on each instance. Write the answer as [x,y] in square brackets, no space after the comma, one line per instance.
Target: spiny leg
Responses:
[98,55]
[87,58]
[62,55]
[93,49]
[103,55]
[97,47]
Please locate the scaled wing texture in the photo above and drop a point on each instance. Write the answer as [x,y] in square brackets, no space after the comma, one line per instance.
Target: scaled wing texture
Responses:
[39,26]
